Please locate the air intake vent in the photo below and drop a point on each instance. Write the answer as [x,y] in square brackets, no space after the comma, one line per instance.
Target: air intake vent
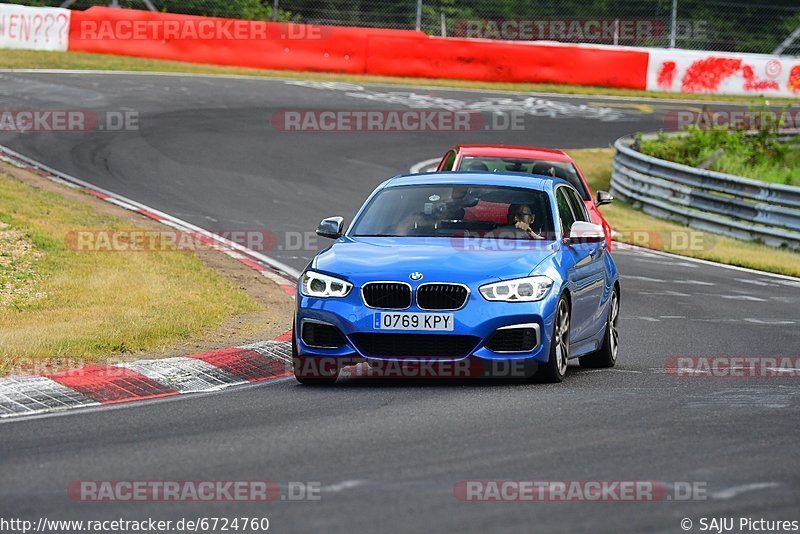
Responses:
[523,339]
[321,335]
[415,345]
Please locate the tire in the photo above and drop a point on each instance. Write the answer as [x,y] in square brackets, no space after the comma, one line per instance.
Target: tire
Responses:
[309,372]
[607,355]
[555,369]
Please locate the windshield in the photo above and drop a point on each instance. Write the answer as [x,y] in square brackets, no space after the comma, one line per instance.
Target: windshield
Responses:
[558,169]
[490,212]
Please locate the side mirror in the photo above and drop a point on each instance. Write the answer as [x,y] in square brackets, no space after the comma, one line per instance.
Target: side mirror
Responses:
[604,197]
[332,227]
[586,232]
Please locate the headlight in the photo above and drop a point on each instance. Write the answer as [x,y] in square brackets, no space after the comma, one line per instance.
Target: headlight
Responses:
[323,286]
[527,289]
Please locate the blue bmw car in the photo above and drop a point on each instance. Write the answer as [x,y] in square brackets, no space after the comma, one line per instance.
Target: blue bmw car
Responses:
[491,269]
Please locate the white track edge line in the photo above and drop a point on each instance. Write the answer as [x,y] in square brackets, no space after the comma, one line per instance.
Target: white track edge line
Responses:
[711,263]
[417,167]
[278,266]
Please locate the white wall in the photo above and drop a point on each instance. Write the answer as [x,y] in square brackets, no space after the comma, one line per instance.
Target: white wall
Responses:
[34,28]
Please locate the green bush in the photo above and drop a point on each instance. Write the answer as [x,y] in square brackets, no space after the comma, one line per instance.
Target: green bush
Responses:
[757,154]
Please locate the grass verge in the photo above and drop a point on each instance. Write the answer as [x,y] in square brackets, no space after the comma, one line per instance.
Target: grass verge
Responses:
[635,227]
[28,59]
[56,301]
[761,156]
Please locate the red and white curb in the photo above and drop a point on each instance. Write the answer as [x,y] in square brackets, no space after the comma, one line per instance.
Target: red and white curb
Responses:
[148,379]
[145,379]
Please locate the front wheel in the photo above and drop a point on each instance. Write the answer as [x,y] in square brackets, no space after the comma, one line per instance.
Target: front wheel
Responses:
[556,367]
[607,355]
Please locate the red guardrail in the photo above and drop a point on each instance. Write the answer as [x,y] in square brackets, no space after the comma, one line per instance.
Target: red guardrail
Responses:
[270,45]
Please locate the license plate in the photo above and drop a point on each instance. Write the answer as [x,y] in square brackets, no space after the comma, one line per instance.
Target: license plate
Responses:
[414,321]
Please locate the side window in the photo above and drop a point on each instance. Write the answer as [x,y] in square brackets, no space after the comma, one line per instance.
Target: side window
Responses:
[578,207]
[564,211]
[448,160]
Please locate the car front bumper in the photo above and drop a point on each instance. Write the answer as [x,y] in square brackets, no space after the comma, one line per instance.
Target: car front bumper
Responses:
[479,318]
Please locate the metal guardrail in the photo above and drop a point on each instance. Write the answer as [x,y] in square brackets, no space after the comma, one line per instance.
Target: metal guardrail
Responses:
[707,200]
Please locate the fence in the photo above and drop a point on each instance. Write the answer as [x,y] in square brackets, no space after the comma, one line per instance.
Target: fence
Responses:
[722,25]
[712,201]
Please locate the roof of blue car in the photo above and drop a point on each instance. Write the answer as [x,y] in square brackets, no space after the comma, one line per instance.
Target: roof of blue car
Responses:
[508,179]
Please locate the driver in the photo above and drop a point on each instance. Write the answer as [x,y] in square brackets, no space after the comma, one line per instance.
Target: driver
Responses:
[520,220]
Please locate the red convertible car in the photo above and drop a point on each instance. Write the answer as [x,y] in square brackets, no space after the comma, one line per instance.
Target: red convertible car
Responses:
[528,160]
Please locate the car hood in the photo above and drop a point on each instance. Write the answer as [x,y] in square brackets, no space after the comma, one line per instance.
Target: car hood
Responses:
[437,258]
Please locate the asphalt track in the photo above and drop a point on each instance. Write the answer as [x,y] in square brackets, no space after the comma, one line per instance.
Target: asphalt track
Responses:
[388,453]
